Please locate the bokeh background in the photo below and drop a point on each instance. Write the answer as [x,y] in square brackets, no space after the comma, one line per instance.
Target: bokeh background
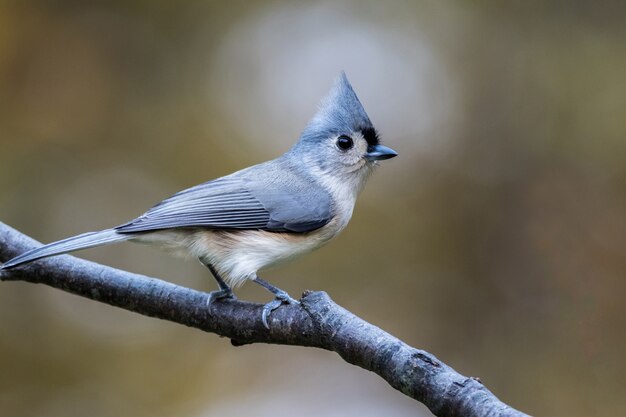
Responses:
[495,240]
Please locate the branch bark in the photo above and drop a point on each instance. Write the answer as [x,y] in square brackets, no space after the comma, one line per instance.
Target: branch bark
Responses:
[317,322]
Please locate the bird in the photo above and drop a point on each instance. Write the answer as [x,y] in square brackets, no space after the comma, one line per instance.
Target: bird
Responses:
[263,215]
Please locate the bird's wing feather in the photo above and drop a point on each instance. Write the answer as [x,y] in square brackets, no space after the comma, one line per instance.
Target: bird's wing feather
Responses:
[235,202]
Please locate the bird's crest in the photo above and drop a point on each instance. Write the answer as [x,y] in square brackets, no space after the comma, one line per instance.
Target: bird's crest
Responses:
[340,112]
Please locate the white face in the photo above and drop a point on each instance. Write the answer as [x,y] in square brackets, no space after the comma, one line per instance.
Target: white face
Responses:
[348,151]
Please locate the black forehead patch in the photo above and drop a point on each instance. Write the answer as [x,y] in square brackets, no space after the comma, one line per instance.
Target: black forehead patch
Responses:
[370,135]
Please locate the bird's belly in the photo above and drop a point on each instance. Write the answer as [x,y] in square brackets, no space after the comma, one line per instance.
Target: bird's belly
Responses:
[238,255]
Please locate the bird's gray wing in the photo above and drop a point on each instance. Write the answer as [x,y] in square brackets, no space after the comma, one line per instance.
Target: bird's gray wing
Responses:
[237,202]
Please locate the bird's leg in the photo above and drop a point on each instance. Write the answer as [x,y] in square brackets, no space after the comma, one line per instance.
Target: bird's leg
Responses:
[224,292]
[281,297]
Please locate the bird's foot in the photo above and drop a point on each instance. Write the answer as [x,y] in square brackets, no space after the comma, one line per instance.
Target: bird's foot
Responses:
[281,297]
[218,295]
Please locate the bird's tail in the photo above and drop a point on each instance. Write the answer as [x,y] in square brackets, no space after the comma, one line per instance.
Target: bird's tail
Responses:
[84,241]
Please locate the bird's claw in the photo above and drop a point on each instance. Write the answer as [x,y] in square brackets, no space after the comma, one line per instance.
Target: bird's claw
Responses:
[218,295]
[281,297]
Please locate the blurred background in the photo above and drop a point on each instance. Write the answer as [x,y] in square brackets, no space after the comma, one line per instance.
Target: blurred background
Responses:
[495,240]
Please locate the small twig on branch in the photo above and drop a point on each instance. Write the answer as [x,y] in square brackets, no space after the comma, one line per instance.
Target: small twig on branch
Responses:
[318,322]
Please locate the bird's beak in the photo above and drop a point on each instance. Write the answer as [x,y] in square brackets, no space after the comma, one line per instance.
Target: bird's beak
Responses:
[379,152]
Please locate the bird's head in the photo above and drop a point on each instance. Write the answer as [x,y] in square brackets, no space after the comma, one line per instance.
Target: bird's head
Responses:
[340,140]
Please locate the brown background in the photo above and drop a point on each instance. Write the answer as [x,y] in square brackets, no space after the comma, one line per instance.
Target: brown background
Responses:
[495,240]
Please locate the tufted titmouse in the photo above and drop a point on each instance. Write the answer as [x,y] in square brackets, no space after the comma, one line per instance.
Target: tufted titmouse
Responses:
[265,214]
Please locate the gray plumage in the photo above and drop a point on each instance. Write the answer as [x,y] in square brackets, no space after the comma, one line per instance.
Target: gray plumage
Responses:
[84,241]
[270,196]
[264,214]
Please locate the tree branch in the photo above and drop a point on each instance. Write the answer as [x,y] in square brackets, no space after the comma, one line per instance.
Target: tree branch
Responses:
[318,322]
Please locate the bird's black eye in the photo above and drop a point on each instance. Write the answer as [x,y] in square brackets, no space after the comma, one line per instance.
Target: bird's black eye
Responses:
[344,142]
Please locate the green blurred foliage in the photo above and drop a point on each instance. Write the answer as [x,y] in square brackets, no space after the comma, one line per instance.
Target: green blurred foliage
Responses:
[496,240]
